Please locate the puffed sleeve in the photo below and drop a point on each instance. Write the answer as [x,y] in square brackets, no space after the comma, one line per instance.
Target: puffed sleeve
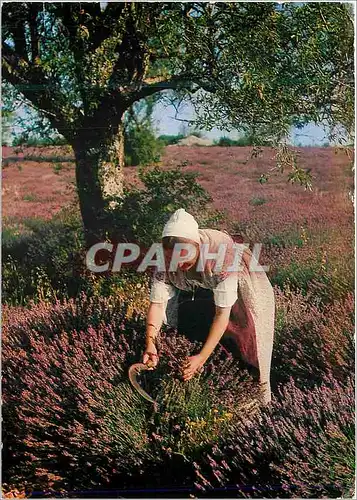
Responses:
[225,293]
[161,290]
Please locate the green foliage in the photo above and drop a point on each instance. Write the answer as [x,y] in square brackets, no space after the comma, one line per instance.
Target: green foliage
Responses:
[20,284]
[30,197]
[141,146]
[256,202]
[44,260]
[287,239]
[142,213]
[57,167]
[296,275]
[171,139]
[245,140]
[226,141]
[10,235]
[270,82]
[125,423]
[26,139]
[323,283]
[191,417]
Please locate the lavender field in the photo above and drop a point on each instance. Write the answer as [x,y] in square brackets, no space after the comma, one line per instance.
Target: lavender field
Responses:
[73,426]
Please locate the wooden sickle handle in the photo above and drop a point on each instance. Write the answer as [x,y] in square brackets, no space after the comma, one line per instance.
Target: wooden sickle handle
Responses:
[134,371]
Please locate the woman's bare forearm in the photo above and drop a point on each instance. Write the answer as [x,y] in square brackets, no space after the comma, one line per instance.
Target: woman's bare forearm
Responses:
[154,321]
[218,327]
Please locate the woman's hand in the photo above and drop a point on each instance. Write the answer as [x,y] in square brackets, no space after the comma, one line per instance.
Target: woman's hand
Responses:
[192,365]
[150,357]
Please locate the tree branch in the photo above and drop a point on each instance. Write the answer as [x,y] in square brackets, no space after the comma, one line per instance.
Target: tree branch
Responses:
[65,12]
[34,9]
[33,85]
[181,81]
[17,29]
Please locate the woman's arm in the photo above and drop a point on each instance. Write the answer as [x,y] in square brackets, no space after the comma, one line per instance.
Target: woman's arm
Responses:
[218,327]
[154,320]
[161,291]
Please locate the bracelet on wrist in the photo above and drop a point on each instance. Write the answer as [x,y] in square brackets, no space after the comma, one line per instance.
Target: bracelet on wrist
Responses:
[152,324]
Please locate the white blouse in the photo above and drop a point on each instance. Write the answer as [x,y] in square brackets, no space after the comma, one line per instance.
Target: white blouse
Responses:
[224,287]
[224,292]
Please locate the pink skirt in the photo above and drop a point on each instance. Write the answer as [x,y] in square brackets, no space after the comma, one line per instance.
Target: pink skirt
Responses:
[241,329]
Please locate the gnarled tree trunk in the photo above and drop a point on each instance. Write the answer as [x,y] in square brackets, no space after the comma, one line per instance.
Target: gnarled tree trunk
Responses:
[99,174]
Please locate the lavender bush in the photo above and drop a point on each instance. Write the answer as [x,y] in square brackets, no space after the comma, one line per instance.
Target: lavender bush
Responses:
[73,421]
[311,341]
[303,447]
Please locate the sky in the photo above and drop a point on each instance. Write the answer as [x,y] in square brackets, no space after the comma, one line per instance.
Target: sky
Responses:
[165,122]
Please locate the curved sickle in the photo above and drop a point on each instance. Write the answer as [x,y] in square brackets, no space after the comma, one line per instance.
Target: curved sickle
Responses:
[134,371]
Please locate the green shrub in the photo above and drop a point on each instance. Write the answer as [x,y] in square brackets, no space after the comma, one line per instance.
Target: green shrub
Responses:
[43,260]
[142,213]
[21,283]
[10,235]
[225,141]
[30,197]
[141,146]
[298,276]
[32,141]
[170,139]
[245,140]
[57,167]
[324,282]
[256,202]
[285,240]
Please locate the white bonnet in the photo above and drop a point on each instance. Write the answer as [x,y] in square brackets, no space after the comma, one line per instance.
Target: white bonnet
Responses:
[183,225]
